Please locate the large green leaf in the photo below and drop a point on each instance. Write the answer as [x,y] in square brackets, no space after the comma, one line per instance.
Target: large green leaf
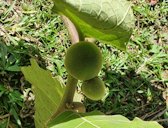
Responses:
[71,119]
[48,92]
[111,21]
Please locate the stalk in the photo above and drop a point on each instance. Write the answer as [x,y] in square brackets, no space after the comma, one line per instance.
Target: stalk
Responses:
[67,97]
[71,81]
[75,35]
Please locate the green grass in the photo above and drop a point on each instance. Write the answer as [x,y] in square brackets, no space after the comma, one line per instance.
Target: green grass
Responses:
[135,79]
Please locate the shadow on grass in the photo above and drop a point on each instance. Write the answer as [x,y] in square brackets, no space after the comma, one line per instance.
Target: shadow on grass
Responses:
[130,95]
[13,85]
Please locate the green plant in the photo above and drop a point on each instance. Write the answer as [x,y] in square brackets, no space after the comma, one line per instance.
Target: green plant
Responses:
[94,89]
[59,98]
[83,60]
[135,80]
[12,101]
[78,107]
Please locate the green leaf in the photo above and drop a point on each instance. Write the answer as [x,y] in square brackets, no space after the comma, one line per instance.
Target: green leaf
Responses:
[2,90]
[48,92]
[3,54]
[4,123]
[15,115]
[96,119]
[14,68]
[111,21]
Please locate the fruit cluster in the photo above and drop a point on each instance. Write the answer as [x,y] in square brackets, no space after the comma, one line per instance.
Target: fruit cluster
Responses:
[83,61]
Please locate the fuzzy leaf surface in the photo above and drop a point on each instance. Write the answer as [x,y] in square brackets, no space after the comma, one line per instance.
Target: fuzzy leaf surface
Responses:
[96,119]
[111,21]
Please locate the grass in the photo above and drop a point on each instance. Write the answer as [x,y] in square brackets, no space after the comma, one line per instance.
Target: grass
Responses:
[136,80]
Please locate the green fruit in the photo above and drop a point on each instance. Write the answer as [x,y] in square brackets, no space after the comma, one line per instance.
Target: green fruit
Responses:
[93,89]
[79,107]
[83,60]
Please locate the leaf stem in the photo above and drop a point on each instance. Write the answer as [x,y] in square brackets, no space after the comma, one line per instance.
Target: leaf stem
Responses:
[75,34]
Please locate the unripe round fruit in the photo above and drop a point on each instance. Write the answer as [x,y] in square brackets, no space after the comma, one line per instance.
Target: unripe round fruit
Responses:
[83,60]
[93,89]
[79,107]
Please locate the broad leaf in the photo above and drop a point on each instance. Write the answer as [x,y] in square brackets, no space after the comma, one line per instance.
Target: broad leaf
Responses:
[97,120]
[48,92]
[108,20]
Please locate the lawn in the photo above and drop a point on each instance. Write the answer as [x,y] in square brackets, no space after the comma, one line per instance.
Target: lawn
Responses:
[136,80]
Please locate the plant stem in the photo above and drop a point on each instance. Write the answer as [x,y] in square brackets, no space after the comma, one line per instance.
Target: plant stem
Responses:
[67,97]
[75,35]
[71,81]
[70,90]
